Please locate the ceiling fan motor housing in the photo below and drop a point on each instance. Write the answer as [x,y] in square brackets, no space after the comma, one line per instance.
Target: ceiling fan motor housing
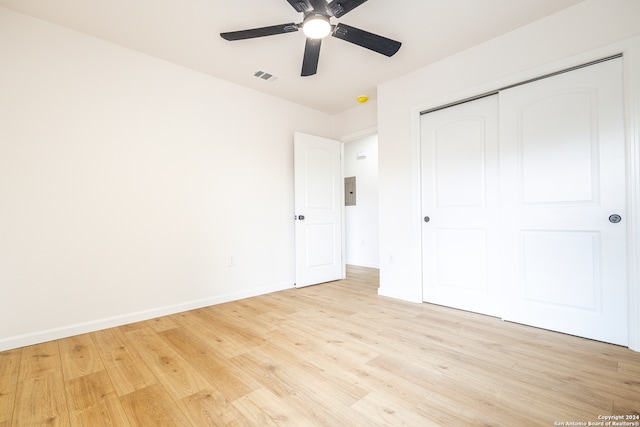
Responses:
[316,26]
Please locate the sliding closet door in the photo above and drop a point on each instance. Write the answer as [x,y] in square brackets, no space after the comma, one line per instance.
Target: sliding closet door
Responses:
[562,170]
[460,206]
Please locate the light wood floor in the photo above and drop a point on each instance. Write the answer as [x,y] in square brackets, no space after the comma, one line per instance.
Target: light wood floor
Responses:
[329,355]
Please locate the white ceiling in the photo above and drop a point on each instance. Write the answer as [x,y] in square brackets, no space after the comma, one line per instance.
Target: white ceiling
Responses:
[186,32]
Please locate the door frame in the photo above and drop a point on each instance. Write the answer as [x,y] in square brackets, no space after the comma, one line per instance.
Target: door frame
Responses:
[350,137]
[630,51]
[353,136]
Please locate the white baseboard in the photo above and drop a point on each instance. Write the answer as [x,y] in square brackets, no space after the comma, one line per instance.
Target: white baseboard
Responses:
[111,322]
[362,263]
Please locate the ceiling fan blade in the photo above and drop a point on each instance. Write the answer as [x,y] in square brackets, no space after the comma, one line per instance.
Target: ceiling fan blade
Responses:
[301,6]
[311,57]
[366,39]
[339,8]
[260,32]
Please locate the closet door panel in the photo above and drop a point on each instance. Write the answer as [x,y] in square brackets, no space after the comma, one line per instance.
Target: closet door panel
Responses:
[461,202]
[562,172]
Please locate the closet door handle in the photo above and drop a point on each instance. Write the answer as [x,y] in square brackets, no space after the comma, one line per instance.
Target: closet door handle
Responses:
[615,218]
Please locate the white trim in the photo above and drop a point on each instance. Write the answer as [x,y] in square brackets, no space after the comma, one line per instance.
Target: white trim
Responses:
[416,206]
[631,63]
[343,215]
[350,137]
[630,50]
[111,322]
[363,264]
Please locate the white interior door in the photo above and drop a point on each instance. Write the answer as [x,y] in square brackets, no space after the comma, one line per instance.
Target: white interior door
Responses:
[562,177]
[461,202]
[318,209]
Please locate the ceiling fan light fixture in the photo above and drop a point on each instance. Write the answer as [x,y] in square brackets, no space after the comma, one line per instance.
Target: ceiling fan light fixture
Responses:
[316,27]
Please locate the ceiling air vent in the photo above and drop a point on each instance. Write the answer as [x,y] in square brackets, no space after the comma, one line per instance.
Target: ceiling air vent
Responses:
[265,76]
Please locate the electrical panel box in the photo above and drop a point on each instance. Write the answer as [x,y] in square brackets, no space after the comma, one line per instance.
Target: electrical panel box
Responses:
[350,191]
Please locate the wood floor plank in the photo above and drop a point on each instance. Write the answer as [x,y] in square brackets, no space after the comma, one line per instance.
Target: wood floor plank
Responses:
[127,370]
[263,408]
[435,402]
[216,369]
[40,393]
[153,406]
[160,324]
[624,405]
[40,396]
[296,389]
[330,384]
[226,341]
[92,401]
[381,410]
[444,391]
[39,359]
[243,318]
[211,408]
[177,376]
[79,357]
[39,401]
[9,368]
[235,330]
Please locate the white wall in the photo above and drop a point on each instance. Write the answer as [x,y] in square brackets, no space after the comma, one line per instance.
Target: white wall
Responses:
[356,122]
[524,53]
[126,182]
[361,220]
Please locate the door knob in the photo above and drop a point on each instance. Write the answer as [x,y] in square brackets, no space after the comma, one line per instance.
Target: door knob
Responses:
[301,217]
[615,218]
[427,219]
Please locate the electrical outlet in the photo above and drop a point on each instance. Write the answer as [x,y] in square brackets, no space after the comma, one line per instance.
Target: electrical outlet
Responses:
[231,261]
[390,259]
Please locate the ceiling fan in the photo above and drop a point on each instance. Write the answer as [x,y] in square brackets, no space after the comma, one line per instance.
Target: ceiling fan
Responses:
[316,25]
